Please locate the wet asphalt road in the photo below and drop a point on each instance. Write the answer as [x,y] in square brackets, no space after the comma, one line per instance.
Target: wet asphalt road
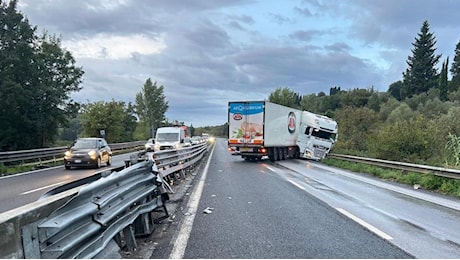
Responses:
[258,214]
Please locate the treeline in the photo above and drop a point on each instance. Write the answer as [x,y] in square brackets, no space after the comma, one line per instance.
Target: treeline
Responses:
[37,78]
[417,120]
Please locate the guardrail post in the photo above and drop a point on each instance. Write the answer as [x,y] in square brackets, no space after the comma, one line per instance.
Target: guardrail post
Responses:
[130,239]
[144,223]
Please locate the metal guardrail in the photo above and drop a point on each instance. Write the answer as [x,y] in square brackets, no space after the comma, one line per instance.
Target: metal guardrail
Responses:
[438,171]
[117,207]
[55,152]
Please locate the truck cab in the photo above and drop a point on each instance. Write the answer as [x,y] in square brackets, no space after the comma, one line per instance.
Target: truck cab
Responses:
[317,137]
[167,138]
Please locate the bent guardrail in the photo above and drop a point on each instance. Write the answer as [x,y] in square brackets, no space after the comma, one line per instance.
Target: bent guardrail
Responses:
[82,221]
[438,171]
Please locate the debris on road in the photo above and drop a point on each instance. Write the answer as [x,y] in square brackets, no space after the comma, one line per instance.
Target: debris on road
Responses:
[208,210]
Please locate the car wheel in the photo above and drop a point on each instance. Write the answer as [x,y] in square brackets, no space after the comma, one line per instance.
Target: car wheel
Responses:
[67,167]
[98,164]
[109,161]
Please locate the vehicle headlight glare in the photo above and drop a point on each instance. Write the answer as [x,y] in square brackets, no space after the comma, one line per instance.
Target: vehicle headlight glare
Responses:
[67,155]
[92,154]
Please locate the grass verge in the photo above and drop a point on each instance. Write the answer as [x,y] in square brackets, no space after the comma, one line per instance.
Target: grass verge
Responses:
[430,182]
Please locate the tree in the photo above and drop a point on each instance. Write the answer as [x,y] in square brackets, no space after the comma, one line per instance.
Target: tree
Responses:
[455,70]
[36,78]
[151,106]
[356,97]
[286,97]
[114,118]
[56,78]
[355,124]
[421,74]
[443,83]
[395,89]
[16,53]
[409,140]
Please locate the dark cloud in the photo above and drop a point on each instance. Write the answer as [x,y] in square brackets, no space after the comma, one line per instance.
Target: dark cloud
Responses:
[228,50]
[304,35]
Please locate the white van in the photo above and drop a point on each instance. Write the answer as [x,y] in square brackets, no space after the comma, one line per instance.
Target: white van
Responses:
[169,138]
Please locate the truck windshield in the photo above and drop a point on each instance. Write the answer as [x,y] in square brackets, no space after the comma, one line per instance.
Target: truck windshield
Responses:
[321,134]
[167,137]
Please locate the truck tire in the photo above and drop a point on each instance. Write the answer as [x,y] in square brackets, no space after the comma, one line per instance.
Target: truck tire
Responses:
[297,154]
[283,153]
[270,154]
[276,155]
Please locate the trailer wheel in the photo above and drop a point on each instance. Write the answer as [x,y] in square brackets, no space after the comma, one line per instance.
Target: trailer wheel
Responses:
[276,155]
[270,154]
[283,153]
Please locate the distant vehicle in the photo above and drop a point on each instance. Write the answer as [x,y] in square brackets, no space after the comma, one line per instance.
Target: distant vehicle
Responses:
[262,128]
[88,152]
[197,140]
[187,142]
[169,138]
[150,145]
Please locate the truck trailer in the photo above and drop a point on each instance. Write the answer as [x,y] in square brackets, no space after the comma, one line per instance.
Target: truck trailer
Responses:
[257,129]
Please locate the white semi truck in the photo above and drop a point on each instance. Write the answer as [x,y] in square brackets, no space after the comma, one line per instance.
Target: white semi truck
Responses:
[261,128]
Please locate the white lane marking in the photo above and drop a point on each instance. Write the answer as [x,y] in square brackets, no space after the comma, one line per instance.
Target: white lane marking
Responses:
[178,250]
[363,223]
[42,188]
[296,184]
[270,168]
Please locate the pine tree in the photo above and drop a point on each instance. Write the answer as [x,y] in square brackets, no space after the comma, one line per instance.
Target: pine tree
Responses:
[443,81]
[421,74]
[455,70]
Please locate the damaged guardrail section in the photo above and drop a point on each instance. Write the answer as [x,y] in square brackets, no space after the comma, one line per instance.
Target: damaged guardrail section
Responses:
[89,221]
[82,221]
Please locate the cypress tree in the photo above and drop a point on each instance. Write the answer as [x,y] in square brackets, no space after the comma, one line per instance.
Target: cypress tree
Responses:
[455,70]
[443,81]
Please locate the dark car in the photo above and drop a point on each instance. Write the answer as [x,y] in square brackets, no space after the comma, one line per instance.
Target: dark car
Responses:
[88,152]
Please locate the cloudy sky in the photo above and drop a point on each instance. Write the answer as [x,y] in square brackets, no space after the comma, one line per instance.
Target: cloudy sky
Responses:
[208,52]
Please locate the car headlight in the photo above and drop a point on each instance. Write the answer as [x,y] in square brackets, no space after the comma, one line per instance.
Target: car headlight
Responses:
[92,154]
[67,155]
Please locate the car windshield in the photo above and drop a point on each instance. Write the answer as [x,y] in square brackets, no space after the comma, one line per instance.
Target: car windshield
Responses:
[167,137]
[85,144]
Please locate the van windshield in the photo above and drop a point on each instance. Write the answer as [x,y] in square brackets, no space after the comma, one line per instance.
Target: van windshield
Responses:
[167,137]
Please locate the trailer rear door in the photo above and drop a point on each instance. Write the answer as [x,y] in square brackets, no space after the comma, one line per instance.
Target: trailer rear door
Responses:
[246,123]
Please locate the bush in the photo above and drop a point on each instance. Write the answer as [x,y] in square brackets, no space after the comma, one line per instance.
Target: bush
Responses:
[3,169]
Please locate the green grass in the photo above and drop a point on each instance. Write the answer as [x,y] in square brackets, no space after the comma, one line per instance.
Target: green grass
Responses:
[430,182]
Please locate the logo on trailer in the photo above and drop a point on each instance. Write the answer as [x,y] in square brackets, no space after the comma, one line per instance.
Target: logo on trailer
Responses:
[291,122]
[237,116]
